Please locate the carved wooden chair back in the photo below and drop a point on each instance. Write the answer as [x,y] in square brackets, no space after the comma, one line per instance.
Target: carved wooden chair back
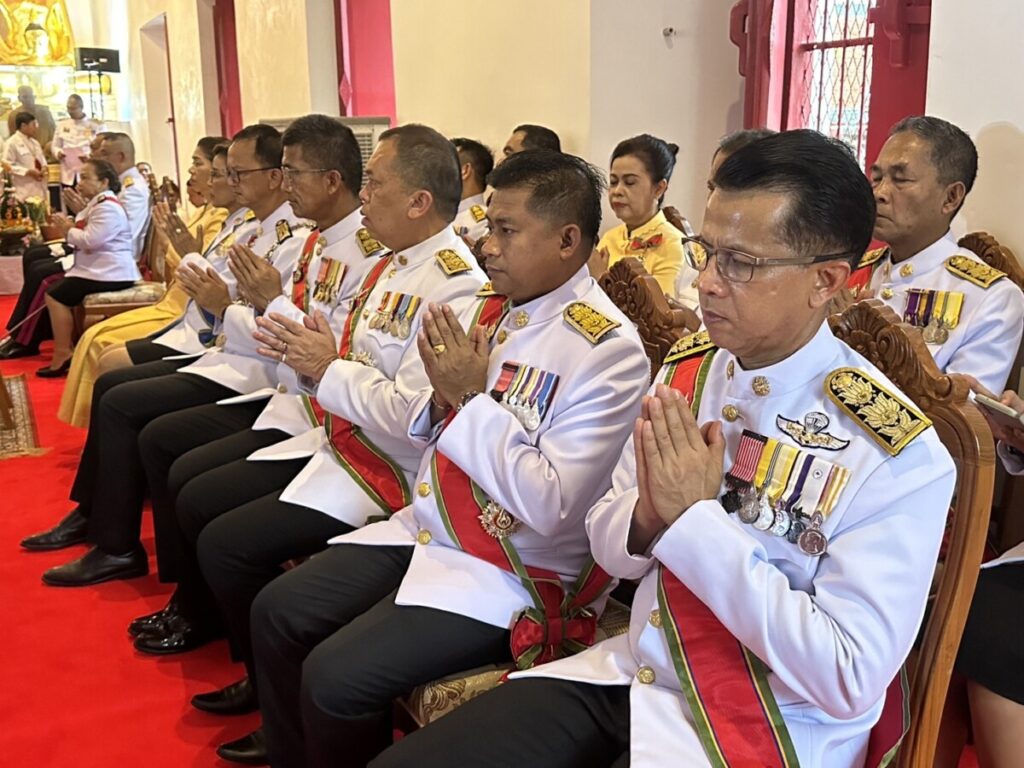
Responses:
[875,331]
[640,298]
[997,256]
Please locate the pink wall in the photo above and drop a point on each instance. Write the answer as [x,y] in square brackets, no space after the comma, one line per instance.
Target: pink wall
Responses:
[368,86]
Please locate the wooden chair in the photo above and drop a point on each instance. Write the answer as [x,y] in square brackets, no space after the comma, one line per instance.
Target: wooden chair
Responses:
[640,298]
[898,349]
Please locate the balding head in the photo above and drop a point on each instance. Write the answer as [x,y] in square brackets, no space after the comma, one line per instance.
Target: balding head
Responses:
[118,149]
[26,95]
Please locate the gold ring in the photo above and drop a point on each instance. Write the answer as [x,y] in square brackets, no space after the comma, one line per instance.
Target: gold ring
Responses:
[439,349]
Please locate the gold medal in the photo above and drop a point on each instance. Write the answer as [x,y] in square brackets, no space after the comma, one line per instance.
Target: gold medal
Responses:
[498,522]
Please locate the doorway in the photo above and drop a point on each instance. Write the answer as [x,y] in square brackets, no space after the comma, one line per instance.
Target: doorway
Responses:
[156,70]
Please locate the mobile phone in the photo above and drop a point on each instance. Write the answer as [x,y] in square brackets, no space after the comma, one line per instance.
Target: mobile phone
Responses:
[1000,413]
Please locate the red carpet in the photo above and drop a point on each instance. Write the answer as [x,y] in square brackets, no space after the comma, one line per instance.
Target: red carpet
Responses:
[74,691]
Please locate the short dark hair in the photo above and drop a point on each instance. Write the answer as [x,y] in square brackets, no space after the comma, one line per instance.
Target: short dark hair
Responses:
[220,150]
[832,207]
[327,143]
[564,189]
[23,118]
[105,170]
[267,140]
[953,153]
[77,98]
[539,137]
[480,157]
[427,160]
[207,144]
[658,156]
[739,139]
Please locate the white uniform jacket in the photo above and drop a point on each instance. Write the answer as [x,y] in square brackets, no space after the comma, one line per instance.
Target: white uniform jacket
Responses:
[135,197]
[832,630]
[985,341]
[25,154]
[236,364]
[102,240]
[547,477]
[74,135]
[471,220]
[183,335]
[375,388]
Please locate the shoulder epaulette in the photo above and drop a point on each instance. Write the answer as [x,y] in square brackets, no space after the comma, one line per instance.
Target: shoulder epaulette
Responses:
[367,243]
[451,262]
[872,256]
[129,181]
[479,214]
[688,346]
[283,229]
[487,289]
[972,271]
[588,321]
[249,215]
[891,423]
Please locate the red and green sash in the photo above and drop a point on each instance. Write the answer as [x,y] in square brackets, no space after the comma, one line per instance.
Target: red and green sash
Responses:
[299,293]
[559,623]
[371,469]
[726,686]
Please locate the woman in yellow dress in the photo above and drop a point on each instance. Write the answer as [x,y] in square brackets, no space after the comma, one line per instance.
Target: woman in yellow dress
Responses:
[107,338]
[637,181]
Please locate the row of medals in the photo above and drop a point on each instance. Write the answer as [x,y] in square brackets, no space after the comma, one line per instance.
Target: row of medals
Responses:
[936,332]
[400,328]
[753,508]
[527,412]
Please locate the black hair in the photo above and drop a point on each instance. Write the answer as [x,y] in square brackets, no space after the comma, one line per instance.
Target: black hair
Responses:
[739,139]
[267,141]
[77,98]
[125,142]
[658,157]
[105,170]
[953,153]
[538,137]
[564,189]
[427,160]
[831,205]
[327,143]
[207,144]
[220,150]
[480,157]
[23,118]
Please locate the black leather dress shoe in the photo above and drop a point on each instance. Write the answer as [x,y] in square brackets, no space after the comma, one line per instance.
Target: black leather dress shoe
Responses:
[235,699]
[69,531]
[177,635]
[153,622]
[13,350]
[55,373]
[248,750]
[96,566]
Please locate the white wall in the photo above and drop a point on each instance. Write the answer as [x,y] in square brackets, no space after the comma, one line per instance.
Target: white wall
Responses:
[974,80]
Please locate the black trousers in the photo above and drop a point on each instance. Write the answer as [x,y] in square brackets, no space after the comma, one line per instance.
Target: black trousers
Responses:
[37,263]
[110,484]
[146,351]
[206,429]
[242,550]
[333,650]
[541,723]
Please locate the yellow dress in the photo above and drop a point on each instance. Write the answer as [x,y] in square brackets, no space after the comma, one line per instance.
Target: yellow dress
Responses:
[76,399]
[657,244]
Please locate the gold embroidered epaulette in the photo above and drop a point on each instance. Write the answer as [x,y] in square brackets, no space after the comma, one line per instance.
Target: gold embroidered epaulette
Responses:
[588,321]
[249,215]
[890,422]
[128,182]
[973,271]
[487,289]
[479,214]
[451,262]
[688,346]
[283,230]
[367,243]
[872,256]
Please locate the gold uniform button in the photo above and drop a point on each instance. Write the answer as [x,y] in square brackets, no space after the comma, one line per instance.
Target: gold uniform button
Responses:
[906,270]
[761,386]
[655,618]
[423,489]
[282,389]
[502,335]
[730,413]
[887,293]
[521,319]
[423,537]
[645,675]
[730,370]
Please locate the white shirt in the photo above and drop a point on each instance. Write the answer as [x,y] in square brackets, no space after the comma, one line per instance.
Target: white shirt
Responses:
[985,341]
[832,630]
[25,154]
[471,221]
[547,477]
[75,135]
[135,198]
[101,238]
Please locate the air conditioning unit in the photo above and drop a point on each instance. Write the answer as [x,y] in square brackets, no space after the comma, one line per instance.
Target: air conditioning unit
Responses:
[366,129]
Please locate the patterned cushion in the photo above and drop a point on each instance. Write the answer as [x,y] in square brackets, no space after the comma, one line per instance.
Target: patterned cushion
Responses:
[429,702]
[143,292]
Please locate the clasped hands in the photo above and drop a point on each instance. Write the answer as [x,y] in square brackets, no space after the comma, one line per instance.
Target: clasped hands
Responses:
[677,464]
[176,230]
[259,282]
[455,362]
[308,348]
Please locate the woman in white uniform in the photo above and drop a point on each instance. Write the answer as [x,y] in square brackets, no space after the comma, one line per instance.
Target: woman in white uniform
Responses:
[104,258]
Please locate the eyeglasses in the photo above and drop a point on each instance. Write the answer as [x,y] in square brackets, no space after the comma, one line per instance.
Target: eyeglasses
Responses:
[234,175]
[289,172]
[737,266]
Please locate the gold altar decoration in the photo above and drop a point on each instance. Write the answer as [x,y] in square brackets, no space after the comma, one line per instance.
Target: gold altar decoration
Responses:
[35,33]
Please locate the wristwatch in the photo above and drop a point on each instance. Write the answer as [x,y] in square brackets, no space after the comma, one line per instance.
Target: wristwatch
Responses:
[465,399]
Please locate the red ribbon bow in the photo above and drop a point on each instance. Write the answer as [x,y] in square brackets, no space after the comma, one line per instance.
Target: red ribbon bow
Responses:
[539,638]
